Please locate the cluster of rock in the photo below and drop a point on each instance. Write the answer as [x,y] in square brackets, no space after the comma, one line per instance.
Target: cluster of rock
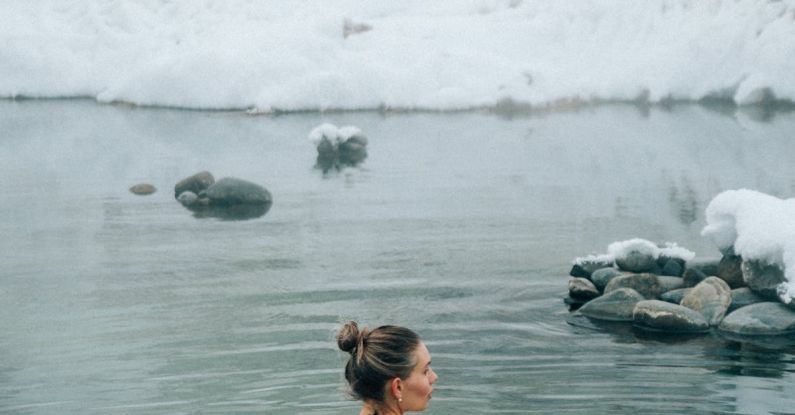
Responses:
[669,294]
[338,147]
[227,198]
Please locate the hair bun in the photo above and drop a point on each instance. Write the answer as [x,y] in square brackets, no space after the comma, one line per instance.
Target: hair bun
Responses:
[348,337]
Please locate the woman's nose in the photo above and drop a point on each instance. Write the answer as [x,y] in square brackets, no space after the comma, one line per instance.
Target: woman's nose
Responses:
[434,376]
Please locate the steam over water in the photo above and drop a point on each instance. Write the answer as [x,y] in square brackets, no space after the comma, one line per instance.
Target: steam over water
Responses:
[461,226]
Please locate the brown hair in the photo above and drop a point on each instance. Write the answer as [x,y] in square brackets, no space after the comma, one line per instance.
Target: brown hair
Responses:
[376,357]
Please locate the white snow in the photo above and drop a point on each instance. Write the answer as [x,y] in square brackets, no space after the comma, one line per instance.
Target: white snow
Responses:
[354,54]
[622,248]
[333,133]
[756,226]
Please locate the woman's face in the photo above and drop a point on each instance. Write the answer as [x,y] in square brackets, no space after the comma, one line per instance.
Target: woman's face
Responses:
[418,387]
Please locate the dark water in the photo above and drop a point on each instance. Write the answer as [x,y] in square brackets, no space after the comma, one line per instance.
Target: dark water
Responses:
[461,226]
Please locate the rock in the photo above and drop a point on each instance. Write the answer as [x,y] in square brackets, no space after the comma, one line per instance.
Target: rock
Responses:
[196,183]
[231,191]
[188,198]
[646,284]
[675,296]
[636,261]
[711,297]
[602,276]
[674,267]
[143,189]
[662,316]
[767,319]
[729,270]
[352,152]
[616,305]
[708,266]
[762,278]
[581,288]
[692,277]
[668,283]
[742,297]
[584,269]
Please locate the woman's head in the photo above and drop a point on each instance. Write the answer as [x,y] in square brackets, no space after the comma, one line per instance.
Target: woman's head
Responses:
[388,365]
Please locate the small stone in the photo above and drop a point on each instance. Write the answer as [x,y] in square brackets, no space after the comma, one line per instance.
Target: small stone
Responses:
[668,283]
[581,288]
[729,270]
[708,266]
[667,317]
[196,183]
[188,198]
[766,319]
[675,296]
[673,267]
[602,277]
[742,297]
[711,297]
[143,189]
[614,306]
[692,277]
[646,284]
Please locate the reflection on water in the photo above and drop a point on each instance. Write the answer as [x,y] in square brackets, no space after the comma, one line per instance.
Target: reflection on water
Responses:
[461,226]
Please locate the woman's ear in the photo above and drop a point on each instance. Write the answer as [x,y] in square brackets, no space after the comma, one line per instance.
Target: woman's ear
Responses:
[396,387]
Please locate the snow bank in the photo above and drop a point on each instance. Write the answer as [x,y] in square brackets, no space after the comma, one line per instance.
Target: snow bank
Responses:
[355,54]
[755,226]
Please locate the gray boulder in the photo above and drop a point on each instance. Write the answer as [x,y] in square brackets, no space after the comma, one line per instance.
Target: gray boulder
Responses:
[636,261]
[729,270]
[693,276]
[742,297]
[613,306]
[231,191]
[196,183]
[663,316]
[711,297]
[762,278]
[708,266]
[675,296]
[188,198]
[584,269]
[582,289]
[668,283]
[646,284]
[674,267]
[768,319]
[602,277]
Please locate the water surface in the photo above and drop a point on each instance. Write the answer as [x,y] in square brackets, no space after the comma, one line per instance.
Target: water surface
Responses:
[459,225]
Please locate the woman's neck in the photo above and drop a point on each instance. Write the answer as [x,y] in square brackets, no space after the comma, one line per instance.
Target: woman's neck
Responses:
[373,408]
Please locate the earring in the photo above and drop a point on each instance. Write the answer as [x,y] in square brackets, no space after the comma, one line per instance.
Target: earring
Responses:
[400,399]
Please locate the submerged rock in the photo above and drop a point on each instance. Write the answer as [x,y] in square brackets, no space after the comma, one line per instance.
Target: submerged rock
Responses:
[616,305]
[231,191]
[196,183]
[767,319]
[646,284]
[143,189]
[662,316]
[711,297]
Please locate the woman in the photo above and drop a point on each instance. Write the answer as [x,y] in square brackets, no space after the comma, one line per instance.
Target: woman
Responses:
[389,368]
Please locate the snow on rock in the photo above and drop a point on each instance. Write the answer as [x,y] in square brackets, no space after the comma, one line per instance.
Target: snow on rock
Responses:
[757,227]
